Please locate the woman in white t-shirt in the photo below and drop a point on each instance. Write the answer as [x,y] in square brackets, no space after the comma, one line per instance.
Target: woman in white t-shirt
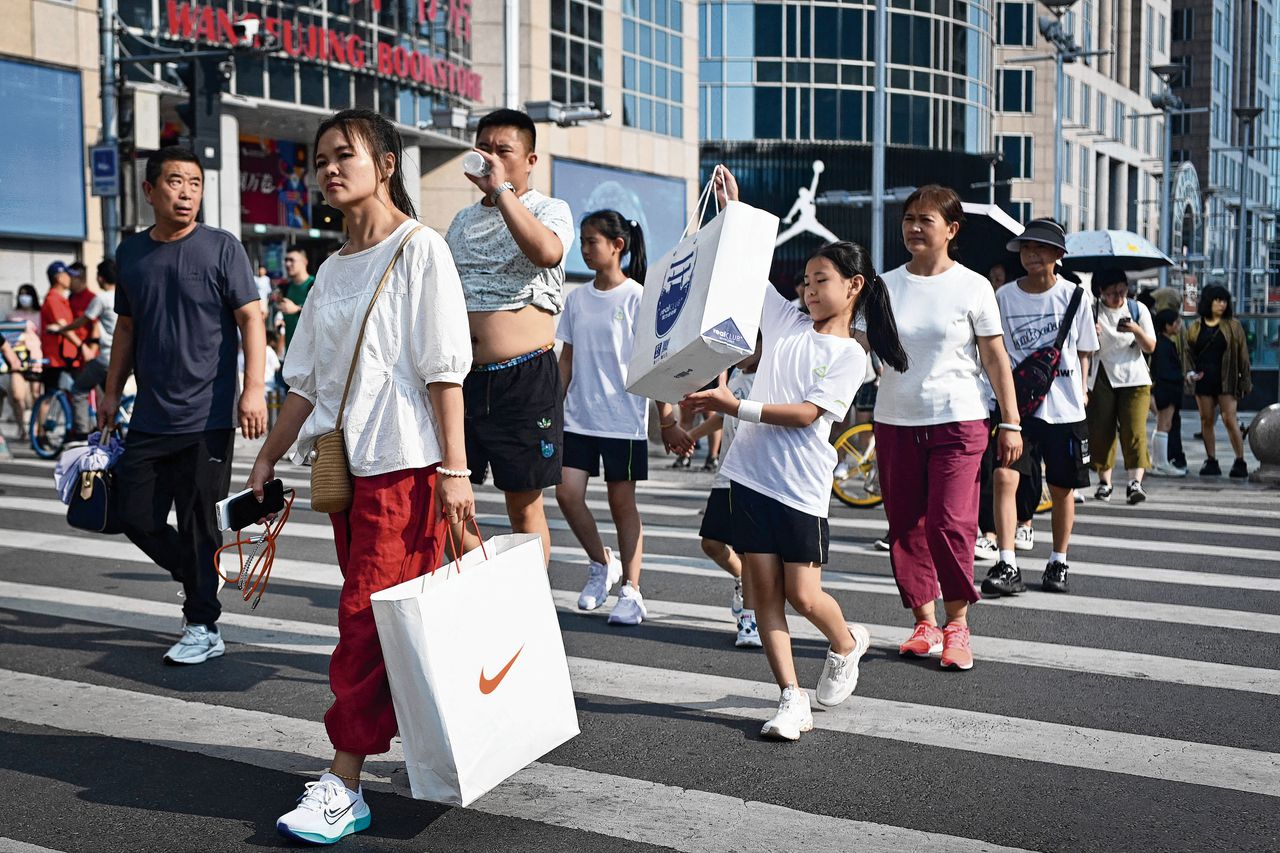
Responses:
[1120,384]
[602,420]
[779,467]
[931,423]
[403,426]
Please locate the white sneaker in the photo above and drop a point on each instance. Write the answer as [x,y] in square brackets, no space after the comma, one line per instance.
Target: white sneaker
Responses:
[748,633]
[1165,469]
[985,549]
[840,672]
[601,579]
[882,544]
[630,609]
[736,605]
[1024,539]
[327,811]
[793,718]
[197,645]
[1079,498]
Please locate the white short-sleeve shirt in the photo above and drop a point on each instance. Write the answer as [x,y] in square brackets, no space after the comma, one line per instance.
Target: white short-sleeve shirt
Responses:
[939,319]
[600,325]
[793,465]
[1118,352]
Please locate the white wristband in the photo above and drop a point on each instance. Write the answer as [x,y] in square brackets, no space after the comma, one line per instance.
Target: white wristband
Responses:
[1009,427]
[750,411]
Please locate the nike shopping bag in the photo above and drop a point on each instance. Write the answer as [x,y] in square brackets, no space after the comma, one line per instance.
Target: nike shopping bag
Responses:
[477,668]
[702,301]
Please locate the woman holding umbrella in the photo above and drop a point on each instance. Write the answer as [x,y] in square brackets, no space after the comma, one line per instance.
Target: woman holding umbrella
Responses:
[1219,366]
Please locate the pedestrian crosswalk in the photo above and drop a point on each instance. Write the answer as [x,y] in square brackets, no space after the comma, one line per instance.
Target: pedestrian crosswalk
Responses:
[1138,713]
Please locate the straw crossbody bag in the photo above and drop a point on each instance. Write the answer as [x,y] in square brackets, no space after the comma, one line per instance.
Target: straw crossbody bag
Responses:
[330,474]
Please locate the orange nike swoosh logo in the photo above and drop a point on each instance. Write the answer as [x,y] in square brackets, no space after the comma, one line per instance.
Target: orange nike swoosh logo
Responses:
[488,685]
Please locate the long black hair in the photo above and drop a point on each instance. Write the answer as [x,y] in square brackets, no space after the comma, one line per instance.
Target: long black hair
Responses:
[612,225]
[380,137]
[1211,292]
[872,302]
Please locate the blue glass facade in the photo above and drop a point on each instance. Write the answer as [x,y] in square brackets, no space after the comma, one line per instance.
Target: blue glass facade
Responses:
[798,71]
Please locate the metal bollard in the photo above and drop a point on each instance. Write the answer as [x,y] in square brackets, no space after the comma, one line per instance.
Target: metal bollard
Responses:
[1264,441]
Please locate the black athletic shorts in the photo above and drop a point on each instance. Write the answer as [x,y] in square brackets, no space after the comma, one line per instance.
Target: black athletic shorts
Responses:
[515,422]
[1064,449]
[865,399]
[625,459]
[763,525]
[1167,394]
[716,518]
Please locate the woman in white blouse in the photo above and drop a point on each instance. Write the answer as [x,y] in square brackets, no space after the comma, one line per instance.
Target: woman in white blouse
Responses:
[403,428]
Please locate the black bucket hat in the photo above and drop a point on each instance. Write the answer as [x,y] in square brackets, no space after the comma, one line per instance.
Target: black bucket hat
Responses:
[1043,230]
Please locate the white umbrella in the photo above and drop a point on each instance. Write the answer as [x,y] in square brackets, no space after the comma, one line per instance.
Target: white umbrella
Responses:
[1091,251]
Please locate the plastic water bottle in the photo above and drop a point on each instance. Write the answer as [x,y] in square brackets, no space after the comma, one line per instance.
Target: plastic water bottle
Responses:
[475,165]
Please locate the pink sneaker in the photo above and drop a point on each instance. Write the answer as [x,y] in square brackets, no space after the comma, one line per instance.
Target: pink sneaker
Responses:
[955,647]
[925,641]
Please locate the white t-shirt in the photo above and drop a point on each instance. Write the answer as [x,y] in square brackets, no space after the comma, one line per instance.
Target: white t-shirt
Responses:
[417,334]
[103,309]
[601,327]
[940,319]
[496,274]
[790,464]
[1118,352]
[1031,321]
[740,387]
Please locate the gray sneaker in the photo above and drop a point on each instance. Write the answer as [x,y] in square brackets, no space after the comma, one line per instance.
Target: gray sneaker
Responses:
[197,645]
[630,609]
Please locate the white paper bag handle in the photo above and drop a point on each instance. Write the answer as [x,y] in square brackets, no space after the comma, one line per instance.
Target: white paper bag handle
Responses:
[704,198]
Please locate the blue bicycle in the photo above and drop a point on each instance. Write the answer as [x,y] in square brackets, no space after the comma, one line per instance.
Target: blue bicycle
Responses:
[53,420]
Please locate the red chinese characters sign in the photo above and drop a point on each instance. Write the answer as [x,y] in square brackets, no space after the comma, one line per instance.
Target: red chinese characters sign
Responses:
[192,21]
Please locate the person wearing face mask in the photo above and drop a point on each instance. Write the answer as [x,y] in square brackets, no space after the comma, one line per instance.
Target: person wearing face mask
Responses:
[26,309]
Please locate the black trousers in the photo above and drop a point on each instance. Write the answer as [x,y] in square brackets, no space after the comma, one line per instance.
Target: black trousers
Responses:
[188,473]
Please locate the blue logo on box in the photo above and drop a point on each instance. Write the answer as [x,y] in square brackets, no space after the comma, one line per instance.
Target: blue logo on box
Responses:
[675,292]
[660,350]
[728,333]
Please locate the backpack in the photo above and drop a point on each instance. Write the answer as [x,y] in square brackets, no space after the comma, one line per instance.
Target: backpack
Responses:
[1033,376]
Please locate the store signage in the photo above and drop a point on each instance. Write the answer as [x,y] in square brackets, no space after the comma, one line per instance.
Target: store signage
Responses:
[192,21]
[105,163]
[273,187]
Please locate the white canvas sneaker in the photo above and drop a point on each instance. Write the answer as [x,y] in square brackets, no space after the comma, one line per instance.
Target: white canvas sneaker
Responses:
[794,716]
[197,645]
[630,609]
[840,672]
[327,812]
[1024,539]
[601,578]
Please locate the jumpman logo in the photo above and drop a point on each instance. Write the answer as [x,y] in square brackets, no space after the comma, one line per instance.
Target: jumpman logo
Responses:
[804,213]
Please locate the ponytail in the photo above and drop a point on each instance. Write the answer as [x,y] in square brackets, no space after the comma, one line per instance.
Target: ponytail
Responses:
[851,259]
[380,137]
[614,226]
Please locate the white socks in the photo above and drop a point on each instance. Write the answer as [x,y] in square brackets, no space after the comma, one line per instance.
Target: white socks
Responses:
[1160,449]
[1057,557]
[1009,557]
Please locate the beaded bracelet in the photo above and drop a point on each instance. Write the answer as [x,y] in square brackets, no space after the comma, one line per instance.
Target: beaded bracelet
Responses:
[450,472]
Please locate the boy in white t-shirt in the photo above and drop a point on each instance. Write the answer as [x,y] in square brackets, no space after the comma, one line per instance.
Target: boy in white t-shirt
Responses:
[602,420]
[1032,311]
[717,521]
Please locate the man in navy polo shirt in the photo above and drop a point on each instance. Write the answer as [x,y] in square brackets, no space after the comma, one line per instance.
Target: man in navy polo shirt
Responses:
[184,290]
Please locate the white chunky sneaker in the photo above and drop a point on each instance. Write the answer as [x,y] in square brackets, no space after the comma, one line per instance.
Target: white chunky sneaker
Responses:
[197,645]
[840,672]
[601,578]
[1024,539]
[793,718]
[327,812]
[748,633]
[630,609]
[985,549]
[735,604]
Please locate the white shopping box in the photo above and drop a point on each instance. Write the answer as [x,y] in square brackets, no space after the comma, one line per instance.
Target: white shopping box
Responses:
[477,667]
[702,301]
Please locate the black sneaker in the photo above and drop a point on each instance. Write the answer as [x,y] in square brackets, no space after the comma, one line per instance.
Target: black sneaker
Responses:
[1135,493]
[712,464]
[1210,468]
[682,462]
[1239,469]
[1003,579]
[1055,577]
[1103,493]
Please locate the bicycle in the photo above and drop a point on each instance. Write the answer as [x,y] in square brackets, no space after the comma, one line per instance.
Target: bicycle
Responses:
[53,419]
[856,479]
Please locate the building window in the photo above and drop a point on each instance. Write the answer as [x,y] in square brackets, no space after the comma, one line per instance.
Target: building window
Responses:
[1017,24]
[1016,149]
[1187,77]
[1017,90]
[653,66]
[1180,123]
[577,51]
[1020,210]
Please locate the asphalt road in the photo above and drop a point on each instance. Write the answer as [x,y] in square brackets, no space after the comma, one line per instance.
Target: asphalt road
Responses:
[1138,713]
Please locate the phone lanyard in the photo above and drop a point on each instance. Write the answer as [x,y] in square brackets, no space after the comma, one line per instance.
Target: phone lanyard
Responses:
[254,572]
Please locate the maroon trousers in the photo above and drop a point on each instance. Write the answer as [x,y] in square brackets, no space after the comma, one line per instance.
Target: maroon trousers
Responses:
[929,475]
[392,533]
